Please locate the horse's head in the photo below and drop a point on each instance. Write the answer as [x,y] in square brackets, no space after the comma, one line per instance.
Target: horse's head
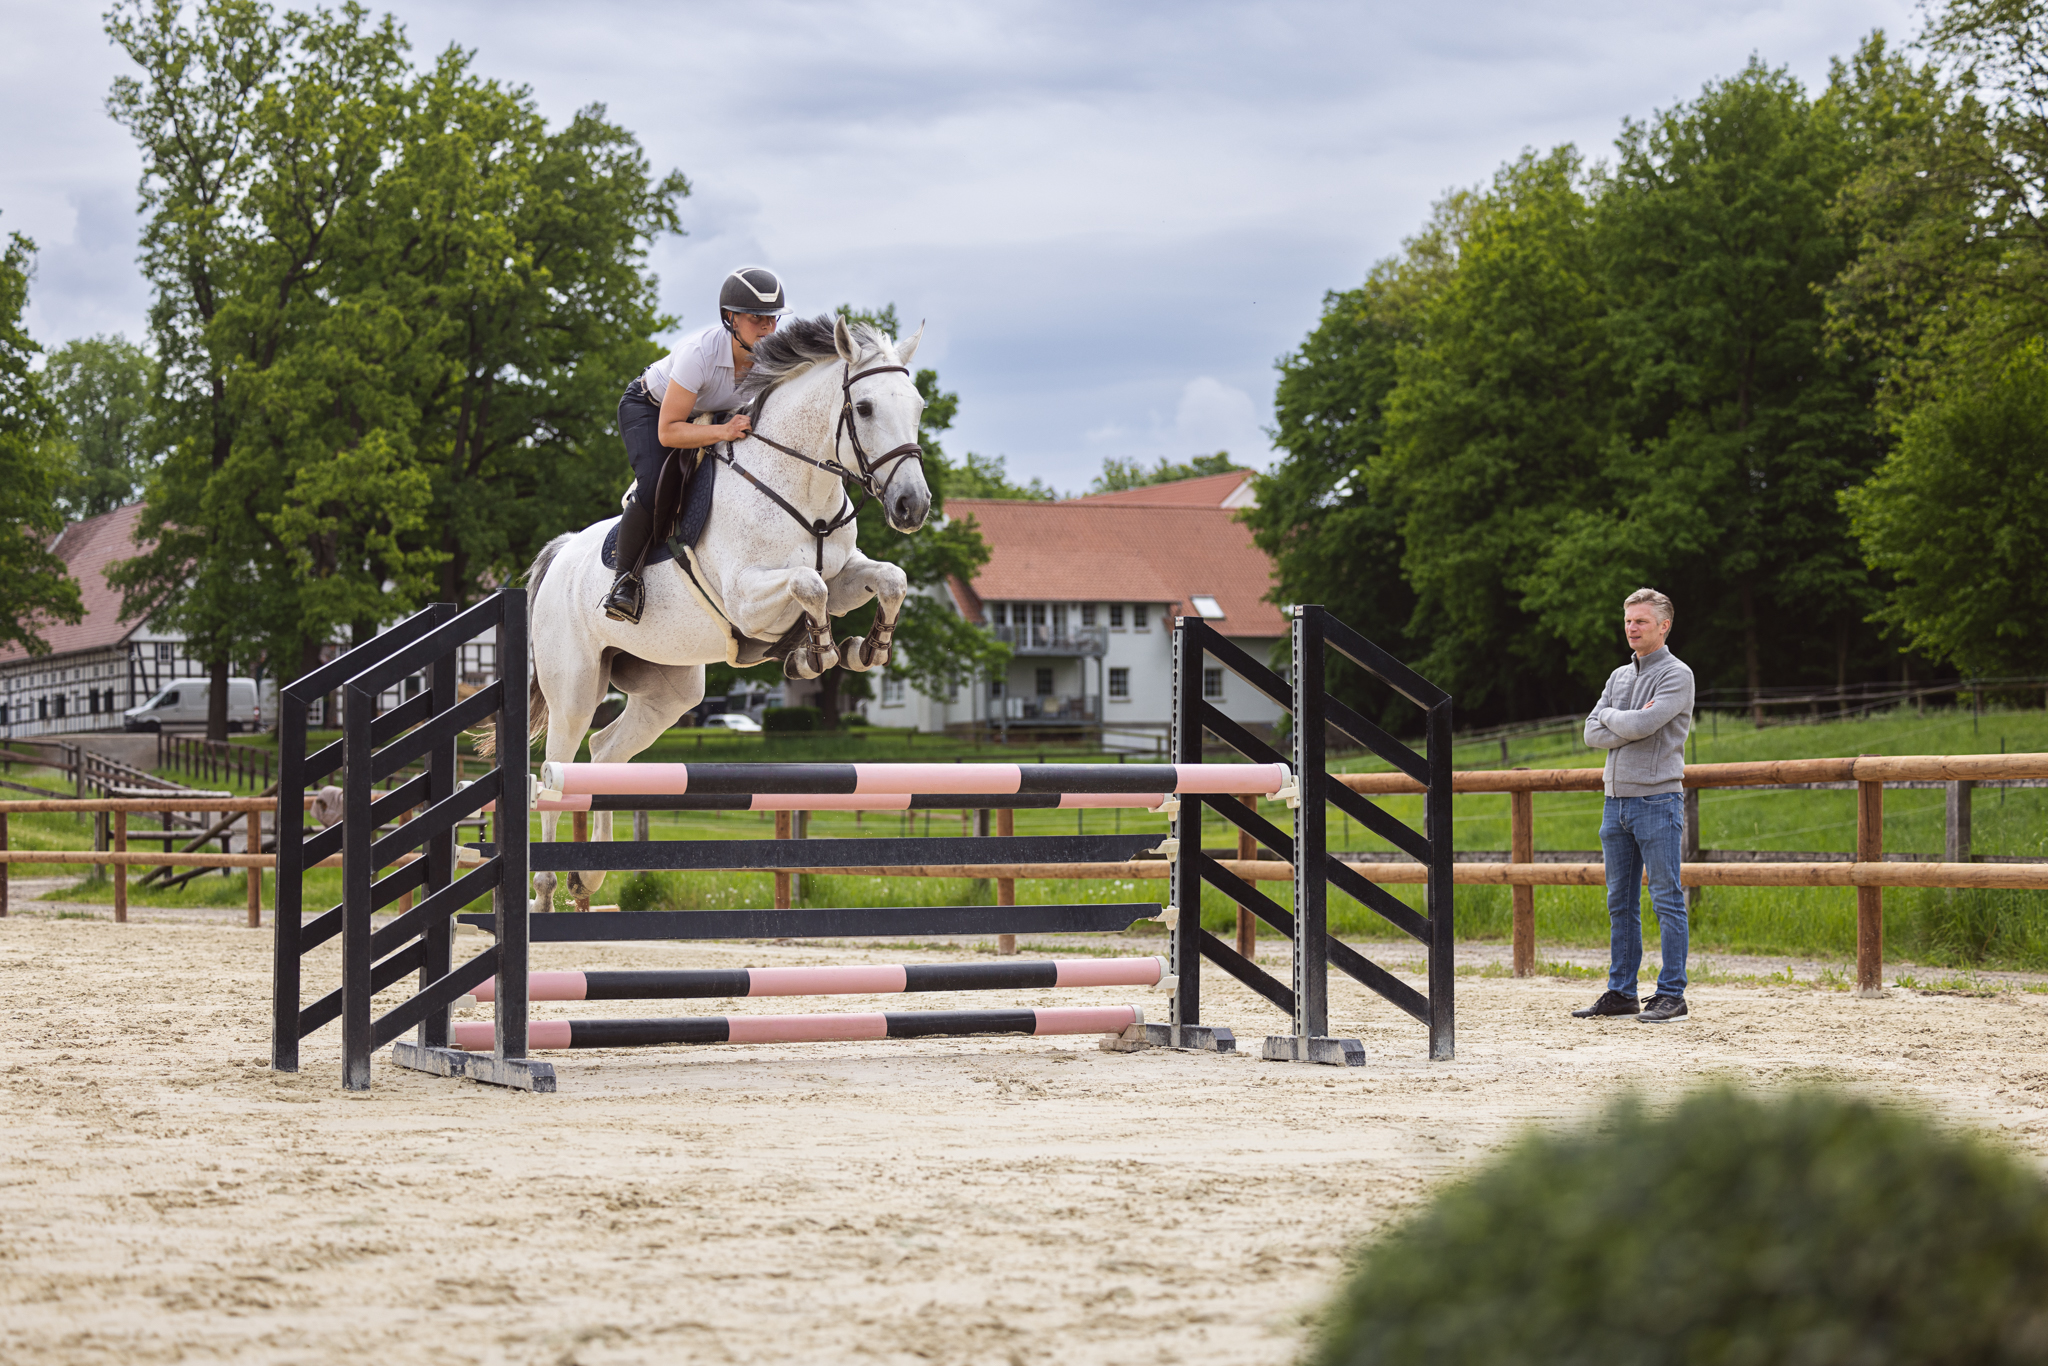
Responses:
[882,408]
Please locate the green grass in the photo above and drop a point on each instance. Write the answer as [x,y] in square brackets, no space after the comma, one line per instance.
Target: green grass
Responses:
[1933,927]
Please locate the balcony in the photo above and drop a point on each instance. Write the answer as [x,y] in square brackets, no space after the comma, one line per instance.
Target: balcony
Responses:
[1088,642]
[1051,710]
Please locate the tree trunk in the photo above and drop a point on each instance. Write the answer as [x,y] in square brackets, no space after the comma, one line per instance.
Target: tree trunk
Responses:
[1749,654]
[828,699]
[217,698]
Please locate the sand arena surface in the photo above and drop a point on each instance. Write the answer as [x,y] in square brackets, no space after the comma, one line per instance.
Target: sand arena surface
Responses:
[165,1197]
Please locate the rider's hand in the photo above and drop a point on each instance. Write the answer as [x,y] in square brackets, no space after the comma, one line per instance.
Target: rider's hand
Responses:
[737,429]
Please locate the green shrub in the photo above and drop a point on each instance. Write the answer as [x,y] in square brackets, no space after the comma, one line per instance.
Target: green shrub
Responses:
[1806,1228]
[792,718]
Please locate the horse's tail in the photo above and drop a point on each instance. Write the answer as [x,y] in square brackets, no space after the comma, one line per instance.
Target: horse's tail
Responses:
[536,700]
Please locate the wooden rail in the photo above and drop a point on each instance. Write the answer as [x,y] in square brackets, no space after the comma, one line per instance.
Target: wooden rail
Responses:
[1869,873]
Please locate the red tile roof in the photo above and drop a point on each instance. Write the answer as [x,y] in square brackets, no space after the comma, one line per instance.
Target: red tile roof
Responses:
[1208,491]
[87,548]
[1107,550]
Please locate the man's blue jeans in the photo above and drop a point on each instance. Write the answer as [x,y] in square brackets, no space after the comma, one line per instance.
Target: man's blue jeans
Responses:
[1638,833]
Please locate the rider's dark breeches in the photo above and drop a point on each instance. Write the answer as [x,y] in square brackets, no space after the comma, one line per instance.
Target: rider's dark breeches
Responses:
[640,425]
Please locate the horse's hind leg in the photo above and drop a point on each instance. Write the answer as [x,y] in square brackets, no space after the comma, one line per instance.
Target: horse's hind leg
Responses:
[656,696]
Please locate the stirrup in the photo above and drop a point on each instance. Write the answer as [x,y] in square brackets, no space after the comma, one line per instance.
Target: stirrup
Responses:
[627,599]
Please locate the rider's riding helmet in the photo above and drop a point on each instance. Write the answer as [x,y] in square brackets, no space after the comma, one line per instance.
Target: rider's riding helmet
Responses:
[750,289]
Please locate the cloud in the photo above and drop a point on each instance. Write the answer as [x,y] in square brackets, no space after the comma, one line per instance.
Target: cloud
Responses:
[1102,210]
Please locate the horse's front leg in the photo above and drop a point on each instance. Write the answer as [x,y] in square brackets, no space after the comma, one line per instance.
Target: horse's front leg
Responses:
[861,579]
[767,603]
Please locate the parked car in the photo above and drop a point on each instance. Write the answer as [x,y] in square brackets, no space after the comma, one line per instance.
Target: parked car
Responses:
[182,706]
[733,720]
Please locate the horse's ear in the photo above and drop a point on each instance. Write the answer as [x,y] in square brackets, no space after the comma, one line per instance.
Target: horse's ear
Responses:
[843,340]
[905,350]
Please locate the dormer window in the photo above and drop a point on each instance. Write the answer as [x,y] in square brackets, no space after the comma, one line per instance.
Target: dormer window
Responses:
[1206,607]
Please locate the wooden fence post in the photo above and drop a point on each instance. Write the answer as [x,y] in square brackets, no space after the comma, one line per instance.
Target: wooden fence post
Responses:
[1689,847]
[782,832]
[1957,845]
[5,868]
[120,869]
[1247,923]
[1870,900]
[254,825]
[1006,887]
[1522,849]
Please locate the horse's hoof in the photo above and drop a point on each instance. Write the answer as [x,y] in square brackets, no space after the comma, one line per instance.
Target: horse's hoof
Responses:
[852,656]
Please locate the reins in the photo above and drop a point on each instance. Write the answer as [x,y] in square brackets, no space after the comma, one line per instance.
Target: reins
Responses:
[867,478]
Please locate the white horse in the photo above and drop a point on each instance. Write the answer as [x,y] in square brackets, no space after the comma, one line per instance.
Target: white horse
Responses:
[826,396]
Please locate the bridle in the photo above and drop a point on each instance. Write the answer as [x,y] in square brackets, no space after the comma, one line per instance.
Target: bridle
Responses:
[868,475]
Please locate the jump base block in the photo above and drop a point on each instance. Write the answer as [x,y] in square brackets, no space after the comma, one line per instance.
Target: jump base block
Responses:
[1191,1038]
[522,1074]
[1330,1052]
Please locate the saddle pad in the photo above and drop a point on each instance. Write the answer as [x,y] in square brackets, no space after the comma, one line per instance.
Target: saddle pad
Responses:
[697,500]
[657,554]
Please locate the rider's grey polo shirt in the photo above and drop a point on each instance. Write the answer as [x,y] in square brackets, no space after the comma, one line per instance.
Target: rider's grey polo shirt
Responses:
[701,363]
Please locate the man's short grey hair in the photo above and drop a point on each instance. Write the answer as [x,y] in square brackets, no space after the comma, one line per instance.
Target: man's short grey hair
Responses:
[1665,611]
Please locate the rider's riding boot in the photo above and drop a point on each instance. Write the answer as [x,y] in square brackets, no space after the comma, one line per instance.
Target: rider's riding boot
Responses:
[628,596]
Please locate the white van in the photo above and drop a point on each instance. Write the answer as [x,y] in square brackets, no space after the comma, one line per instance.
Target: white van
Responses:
[182,706]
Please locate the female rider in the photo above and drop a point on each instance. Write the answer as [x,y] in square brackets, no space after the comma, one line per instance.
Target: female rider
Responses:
[701,374]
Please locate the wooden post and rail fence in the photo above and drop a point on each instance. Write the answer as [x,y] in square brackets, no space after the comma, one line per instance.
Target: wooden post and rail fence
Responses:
[1870,870]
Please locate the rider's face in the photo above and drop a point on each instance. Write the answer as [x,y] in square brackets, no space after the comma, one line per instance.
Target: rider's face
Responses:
[753,326]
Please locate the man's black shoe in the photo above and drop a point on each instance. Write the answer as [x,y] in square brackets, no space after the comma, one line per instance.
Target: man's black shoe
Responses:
[626,600]
[1610,1003]
[1663,1010]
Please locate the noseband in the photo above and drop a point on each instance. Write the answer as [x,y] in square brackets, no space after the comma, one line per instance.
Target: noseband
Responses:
[868,477]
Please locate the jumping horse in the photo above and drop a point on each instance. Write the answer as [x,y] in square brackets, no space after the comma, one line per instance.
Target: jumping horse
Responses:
[775,559]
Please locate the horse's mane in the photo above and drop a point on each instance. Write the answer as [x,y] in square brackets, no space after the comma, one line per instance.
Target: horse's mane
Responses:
[794,348]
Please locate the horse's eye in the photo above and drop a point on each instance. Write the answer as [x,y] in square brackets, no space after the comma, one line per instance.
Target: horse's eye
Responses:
[864,408]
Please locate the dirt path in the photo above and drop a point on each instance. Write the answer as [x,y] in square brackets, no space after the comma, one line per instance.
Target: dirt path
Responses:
[165,1197]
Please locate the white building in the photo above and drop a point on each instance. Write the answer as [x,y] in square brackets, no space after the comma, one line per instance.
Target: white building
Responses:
[100,667]
[1086,591]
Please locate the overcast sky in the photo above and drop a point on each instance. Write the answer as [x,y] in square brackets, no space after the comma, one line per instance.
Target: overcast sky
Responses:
[1114,216]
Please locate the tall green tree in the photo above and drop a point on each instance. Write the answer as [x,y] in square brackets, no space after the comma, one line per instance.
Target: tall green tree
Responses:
[188,113]
[1740,423]
[1959,513]
[102,387]
[35,590]
[419,304]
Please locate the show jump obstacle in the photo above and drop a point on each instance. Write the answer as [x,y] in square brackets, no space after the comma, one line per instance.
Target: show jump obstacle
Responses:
[423,731]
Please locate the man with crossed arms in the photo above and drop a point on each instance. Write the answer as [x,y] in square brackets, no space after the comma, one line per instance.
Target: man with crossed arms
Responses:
[1641,720]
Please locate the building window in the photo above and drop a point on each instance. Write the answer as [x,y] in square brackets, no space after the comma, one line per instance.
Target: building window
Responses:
[892,690]
[42,709]
[163,649]
[92,701]
[1212,684]
[1141,616]
[1087,614]
[1044,682]
[1120,685]
[1038,614]
[999,613]
[61,699]
[995,687]
[1059,619]
[1116,616]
